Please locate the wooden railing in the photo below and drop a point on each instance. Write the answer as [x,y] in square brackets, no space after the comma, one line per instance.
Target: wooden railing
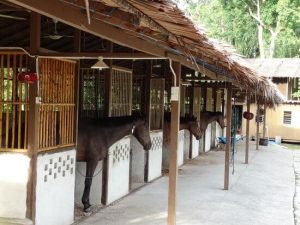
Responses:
[57,108]
[13,102]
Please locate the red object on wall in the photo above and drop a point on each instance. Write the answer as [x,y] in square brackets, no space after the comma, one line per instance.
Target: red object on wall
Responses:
[27,77]
[248,115]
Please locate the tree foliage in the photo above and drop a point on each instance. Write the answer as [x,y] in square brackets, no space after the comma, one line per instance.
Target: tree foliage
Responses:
[237,22]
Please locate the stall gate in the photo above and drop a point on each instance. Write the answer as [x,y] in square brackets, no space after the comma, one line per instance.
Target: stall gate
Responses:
[208,132]
[56,169]
[219,131]
[118,161]
[157,101]
[196,112]
[92,92]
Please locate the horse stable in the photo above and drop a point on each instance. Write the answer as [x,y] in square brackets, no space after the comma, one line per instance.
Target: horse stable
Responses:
[72,70]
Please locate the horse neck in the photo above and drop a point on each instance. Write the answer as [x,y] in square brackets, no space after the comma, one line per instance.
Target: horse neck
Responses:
[116,133]
[205,121]
[184,126]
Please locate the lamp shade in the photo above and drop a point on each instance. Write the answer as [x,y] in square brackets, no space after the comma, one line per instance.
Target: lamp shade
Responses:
[100,64]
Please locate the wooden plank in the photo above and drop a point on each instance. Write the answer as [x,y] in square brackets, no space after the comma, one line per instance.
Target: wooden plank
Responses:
[7,99]
[173,167]
[247,132]
[228,136]
[264,122]
[33,117]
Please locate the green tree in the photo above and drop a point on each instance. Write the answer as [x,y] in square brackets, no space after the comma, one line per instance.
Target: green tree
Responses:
[265,28]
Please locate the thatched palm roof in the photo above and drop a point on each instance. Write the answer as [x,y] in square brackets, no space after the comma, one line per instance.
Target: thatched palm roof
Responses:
[162,25]
[165,23]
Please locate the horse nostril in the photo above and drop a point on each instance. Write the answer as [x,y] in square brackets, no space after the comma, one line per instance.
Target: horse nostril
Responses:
[148,146]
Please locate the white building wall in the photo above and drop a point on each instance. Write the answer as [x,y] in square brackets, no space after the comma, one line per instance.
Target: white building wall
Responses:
[55,186]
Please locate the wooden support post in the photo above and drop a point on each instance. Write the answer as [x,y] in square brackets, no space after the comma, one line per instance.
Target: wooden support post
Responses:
[107,113]
[173,167]
[33,115]
[146,109]
[228,136]
[264,123]
[191,112]
[257,127]
[214,99]
[77,47]
[247,132]
[191,106]
[108,84]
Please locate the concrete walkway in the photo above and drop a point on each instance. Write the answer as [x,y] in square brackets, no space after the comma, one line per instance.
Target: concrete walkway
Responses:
[261,193]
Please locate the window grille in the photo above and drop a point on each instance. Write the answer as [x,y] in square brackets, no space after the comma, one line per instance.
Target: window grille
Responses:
[287,117]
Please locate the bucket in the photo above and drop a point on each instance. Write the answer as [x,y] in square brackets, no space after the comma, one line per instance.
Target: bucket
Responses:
[278,139]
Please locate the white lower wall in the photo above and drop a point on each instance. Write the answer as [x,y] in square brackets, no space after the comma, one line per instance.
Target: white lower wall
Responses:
[14,169]
[180,151]
[138,162]
[155,155]
[96,189]
[208,138]
[213,134]
[118,170]
[195,147]
[186,152]
[218,131]
[180,147]
[55,186]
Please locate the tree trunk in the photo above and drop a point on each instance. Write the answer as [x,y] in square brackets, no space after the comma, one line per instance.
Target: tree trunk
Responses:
[260,33]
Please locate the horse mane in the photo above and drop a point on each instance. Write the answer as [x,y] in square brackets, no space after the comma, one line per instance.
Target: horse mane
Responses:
[186,118]
[212,113]
[117,120]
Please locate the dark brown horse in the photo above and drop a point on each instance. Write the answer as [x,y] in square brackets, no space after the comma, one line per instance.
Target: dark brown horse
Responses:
[188,123]
[96,136]
[208,117]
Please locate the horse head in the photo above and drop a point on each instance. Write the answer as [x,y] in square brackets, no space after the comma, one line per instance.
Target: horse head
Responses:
[194,127]
[142,134]
[220,119]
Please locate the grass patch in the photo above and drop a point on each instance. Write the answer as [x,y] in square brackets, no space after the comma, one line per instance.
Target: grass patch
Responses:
[291,146]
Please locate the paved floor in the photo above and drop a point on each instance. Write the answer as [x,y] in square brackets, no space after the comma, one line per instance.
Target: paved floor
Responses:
[261,193]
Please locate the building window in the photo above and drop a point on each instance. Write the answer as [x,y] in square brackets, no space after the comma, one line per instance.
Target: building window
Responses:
[294,89]
[287,117]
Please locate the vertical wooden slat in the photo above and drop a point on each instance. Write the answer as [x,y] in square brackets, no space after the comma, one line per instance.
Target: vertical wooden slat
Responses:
[20,95]
[1,95]
[13,106]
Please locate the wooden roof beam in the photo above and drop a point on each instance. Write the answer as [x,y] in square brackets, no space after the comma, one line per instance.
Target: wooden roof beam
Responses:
[74,17]
[105,55]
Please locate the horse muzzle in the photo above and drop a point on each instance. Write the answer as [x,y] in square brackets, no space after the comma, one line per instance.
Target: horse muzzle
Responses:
[148,146]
